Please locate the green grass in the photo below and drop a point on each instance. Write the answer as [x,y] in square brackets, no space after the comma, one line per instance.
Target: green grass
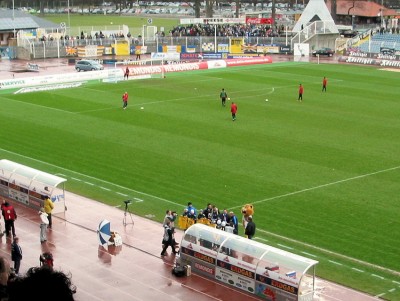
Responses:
[323,175]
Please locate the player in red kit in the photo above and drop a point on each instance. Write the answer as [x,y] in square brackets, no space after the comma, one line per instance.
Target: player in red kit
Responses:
[126,73]
[301,90]
[233,111]
[125,100]
[324,83]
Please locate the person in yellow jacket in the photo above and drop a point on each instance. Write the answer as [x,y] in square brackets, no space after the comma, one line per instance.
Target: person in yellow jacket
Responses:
[48,208]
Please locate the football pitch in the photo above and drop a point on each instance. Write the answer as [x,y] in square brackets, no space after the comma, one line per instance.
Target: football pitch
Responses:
[323,175]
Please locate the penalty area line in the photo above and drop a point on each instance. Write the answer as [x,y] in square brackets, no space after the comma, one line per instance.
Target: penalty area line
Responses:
[321,186]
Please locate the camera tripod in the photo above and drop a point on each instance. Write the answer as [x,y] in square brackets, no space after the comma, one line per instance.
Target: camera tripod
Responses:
[126,212]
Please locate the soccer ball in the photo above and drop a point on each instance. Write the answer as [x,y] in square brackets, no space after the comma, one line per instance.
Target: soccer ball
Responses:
[266,99]
[229,98]
[141,108]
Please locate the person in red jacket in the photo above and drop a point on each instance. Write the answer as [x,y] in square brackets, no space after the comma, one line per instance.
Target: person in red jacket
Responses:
[324,83]
[301,90]
[233,111]
[125,100]
[9,217]
[126,73]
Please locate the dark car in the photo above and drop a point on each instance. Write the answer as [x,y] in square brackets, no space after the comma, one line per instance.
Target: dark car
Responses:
[349,33]
[323,51]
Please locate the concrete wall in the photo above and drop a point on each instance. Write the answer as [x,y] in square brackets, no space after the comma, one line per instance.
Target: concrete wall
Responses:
[323,40]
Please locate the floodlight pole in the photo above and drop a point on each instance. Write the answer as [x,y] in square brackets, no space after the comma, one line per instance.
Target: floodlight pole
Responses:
[13,17]
[143,33]
[215,38]
[69,21]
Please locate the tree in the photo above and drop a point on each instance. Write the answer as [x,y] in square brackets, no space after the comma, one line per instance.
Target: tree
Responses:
[209,8]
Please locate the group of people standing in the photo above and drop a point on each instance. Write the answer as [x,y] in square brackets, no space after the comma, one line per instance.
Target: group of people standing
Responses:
[224,96]
[224,220]
[15,286]
[301,88]
[10,216]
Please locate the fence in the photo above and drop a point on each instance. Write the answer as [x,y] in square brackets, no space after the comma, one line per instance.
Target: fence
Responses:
[60,47]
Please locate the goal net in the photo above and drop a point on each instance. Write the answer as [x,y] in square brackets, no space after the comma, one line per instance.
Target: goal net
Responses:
[150,68]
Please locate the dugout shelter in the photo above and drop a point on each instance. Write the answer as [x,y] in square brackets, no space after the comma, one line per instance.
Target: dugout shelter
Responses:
[258,269]
[30,186]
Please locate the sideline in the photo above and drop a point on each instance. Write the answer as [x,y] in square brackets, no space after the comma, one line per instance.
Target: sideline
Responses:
[364,263]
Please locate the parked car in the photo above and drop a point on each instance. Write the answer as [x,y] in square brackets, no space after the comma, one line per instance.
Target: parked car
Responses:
[348,33]
[88,65]
[323,51]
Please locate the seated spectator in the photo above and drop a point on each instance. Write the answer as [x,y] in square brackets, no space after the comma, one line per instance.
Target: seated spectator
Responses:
[224,216]
[215,215]
[190,207]
[208,211]
[201,214]
[42,284]
[192,215]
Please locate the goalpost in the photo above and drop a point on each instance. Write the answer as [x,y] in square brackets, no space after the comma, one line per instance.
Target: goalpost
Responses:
[150,68]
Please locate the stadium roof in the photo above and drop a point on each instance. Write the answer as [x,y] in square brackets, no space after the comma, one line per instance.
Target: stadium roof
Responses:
[361,8]
[22,20]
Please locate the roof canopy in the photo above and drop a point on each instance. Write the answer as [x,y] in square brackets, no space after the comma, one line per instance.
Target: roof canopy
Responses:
[316,10]
[29,178]
[260,252]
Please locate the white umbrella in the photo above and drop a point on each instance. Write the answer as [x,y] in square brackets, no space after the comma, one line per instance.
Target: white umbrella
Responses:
[104,233]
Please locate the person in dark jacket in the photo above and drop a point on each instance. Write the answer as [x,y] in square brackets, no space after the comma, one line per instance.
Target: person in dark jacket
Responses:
[168,239]
[16,254]
[250,228]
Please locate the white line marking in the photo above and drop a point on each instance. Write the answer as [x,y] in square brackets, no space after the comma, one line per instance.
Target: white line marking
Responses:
[120,193]
[392,290]
[380,295]
[309,254]
[40,106]
[286,247]
[104,188]
[138,200]
[396,282]
[321,186]
[326,251]
[335,262]
[75,179]
[259,238]
[357,270]
[180,205]
[196,97]
[91,184]
[377,276]
[93,178]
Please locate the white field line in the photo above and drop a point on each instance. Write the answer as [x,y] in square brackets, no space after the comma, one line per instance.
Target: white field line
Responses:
[326,251]
[93,178]
[261,230]
[215,95]
[321,186]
